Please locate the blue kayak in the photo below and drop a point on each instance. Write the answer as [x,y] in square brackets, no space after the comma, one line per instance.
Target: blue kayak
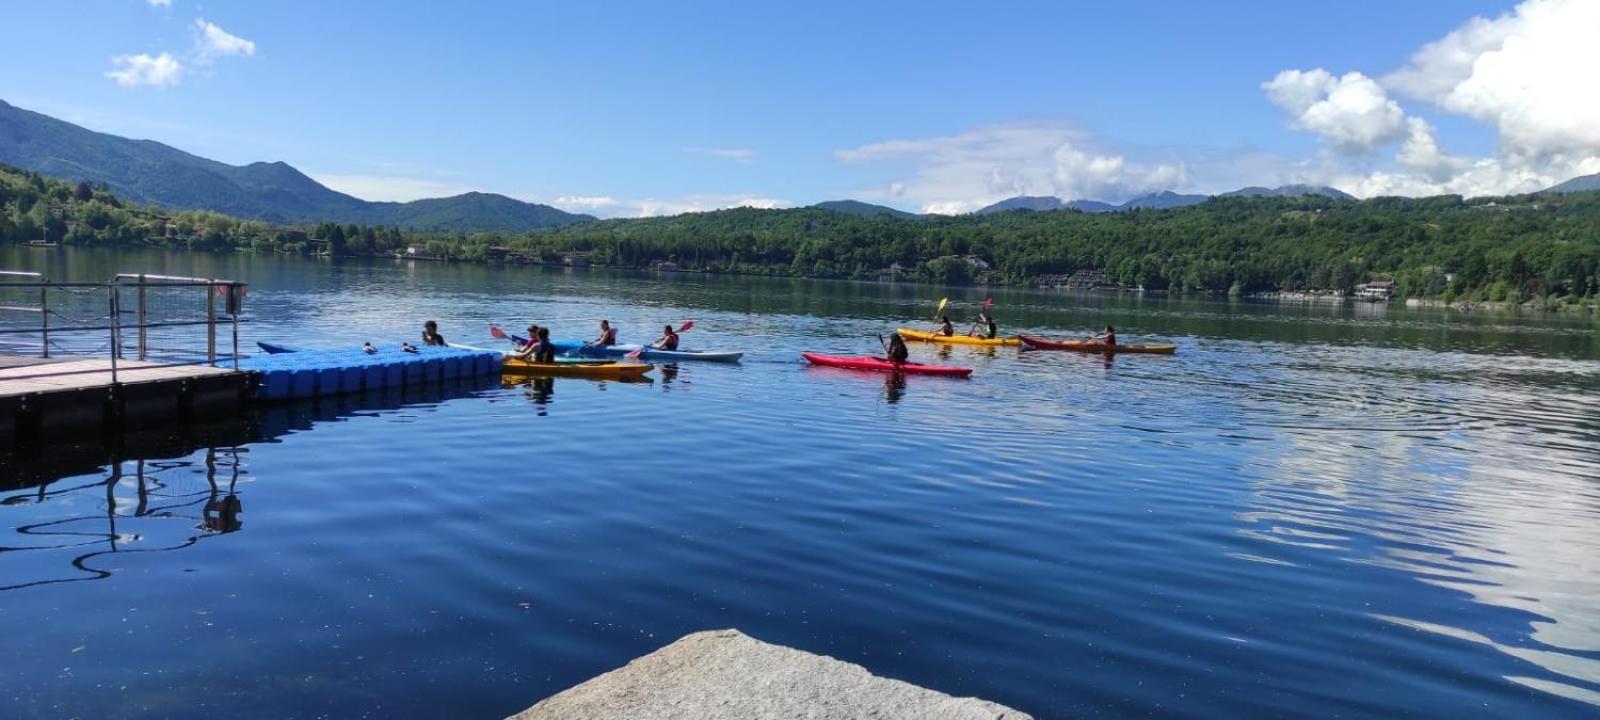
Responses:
[650,353]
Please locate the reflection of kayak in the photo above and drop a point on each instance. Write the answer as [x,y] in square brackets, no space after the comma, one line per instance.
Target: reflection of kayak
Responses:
[610,370]
[662,355]
[1038,343]
[910,334]
[878,364]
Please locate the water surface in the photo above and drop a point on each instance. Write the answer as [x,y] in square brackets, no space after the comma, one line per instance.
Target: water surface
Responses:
[1351,511]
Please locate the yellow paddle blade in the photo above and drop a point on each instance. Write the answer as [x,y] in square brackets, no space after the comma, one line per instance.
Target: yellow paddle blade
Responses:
[942,302]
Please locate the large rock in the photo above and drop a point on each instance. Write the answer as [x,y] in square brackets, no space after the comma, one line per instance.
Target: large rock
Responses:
[727,674]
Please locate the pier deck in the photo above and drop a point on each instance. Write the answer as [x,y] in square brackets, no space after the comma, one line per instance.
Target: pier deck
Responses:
[44,399]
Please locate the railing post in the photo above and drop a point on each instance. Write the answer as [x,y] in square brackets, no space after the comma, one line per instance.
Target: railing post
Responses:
[142,337]
[211,323]
[116,328]
[234,318]
[44,319]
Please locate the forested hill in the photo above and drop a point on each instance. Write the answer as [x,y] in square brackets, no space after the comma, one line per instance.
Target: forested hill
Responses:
[1544,247]
[150,172]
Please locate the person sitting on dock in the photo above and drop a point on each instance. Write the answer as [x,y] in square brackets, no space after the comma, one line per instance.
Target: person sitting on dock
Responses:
[896,351]
[667,341]
[431,336]
[608,335]
[946,329]
[1109,337]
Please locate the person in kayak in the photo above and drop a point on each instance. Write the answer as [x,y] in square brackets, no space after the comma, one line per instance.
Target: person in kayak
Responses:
[985,321]
[1109,337]
[667,341]
[896,351]
[608,335]
[431,336]
[530,350]
[547,350]
[945,328]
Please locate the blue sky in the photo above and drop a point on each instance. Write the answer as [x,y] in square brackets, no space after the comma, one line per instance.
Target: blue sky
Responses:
[629,108]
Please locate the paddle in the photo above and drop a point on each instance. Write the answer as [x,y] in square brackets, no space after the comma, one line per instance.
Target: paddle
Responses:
[987,304]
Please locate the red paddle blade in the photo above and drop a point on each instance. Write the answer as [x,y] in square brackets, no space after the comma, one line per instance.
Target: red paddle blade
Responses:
[635,354]
[496,332]
[988,303]
[687,326]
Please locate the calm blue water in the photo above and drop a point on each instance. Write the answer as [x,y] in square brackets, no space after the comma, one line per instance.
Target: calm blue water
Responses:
[1347,512]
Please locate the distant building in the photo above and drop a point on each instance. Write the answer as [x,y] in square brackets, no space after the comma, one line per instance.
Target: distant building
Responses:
[1376,291]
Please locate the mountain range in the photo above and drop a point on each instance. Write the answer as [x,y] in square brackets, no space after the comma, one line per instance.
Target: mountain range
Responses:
[150,172]
[1155,201]
[856,207]
[1578,184]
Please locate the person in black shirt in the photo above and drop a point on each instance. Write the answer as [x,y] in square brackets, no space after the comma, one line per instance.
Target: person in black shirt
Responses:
[546,352]
[667,341]
[431,336]
[897,349]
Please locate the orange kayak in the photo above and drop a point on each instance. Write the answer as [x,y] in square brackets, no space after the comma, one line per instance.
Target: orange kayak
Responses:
[1038,343]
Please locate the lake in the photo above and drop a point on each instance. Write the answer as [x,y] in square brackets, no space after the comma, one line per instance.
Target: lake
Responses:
[1353,511]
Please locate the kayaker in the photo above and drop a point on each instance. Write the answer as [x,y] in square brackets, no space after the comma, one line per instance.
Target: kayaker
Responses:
[530,350]
[1109,337]
[667,341]
[546,352]
[431,336]
[946,329]
[897,351]
[986,321]
[608,336]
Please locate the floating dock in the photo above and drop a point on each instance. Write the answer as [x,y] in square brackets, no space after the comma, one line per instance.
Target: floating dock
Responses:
[42,397]
[727,675]
[324,373]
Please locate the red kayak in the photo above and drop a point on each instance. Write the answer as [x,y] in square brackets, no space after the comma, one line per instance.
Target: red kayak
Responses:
[877,364]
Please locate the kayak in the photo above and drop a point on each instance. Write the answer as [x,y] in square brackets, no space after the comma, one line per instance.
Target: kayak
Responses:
[877,364]
[650,353]
[608,370]
[910,334]
[1037,343]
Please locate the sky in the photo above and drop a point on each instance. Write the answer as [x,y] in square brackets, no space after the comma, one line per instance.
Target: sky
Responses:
[624,109]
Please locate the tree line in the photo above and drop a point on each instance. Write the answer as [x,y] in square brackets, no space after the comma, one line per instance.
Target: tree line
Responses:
[1536,247]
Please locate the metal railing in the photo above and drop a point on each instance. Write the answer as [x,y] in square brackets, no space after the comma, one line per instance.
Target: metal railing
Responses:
[153,318]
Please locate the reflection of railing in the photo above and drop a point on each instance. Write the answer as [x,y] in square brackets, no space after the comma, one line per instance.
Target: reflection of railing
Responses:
[162,492]
[151,318]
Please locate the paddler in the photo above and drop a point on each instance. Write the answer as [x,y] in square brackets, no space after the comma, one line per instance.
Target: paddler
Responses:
[431,336]
[986,321]
[1109,337]
[897,352]
[608,335]
[667,341]
[531,350]
[946,329]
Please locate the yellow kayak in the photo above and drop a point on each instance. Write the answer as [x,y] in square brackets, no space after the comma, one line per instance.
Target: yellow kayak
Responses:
[603,370]
[910,334]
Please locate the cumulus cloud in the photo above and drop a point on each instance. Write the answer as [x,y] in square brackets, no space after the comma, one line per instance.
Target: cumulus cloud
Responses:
[160,3]
[1526,73]
[964,172]
[738,155]
[1529,72]
[212,42]
[650,207]
[162,70]
[1352,112]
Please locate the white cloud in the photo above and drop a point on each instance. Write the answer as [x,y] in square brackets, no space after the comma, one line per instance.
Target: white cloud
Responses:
[1530,72]
[583,203]
[390,188]
[650,207]
[1352,112]
[738,155]
[162,70]
[211,42]
[964,172]
[160,3]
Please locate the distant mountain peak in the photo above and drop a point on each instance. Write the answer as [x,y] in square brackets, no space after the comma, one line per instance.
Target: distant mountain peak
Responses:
[151,172]
[856,207]
[1577,184]
[1296,190]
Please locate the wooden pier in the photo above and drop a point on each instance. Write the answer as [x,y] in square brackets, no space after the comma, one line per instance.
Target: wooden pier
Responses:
[40,398]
